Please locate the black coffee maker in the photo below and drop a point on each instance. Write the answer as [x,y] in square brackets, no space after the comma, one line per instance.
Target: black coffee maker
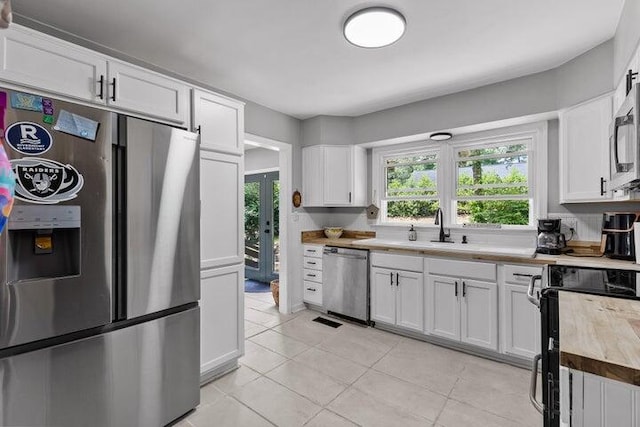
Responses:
[550,240]
[617,234]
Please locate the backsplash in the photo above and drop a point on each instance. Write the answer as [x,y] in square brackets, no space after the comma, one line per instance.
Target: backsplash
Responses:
[587,227]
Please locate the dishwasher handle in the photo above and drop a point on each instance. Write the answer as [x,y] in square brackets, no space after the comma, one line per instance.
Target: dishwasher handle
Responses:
[349,256]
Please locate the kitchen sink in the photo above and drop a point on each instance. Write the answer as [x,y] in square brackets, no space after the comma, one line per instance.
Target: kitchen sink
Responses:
[453,247]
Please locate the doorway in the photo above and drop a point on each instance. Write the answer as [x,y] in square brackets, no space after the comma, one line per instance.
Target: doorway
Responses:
[262,226]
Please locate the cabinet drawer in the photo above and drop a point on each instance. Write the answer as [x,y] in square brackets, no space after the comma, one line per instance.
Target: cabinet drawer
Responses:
[312,251]
[397,262]
[312,263]
[520,273]
[312,293]
[313,275]
[472,269]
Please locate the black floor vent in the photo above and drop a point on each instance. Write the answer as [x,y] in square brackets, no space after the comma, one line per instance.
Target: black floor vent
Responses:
[327,322]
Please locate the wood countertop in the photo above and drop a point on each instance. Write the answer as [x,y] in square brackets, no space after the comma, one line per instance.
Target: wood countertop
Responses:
[351,239]
[600,335]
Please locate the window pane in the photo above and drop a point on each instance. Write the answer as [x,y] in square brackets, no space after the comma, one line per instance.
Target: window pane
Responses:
[252,224]
[412,211]
[493,176]
[276,226]
[509,212]
[412,180]
[487,151]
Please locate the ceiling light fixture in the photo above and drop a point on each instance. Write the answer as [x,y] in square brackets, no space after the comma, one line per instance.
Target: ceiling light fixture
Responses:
[440,136]
[374,27]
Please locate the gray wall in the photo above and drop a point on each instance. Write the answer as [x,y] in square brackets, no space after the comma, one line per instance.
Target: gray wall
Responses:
[582,78]
[626,38]
[331,130]
[257,159]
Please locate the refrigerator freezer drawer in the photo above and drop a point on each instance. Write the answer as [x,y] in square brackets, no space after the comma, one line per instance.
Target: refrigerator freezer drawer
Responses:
[143,375]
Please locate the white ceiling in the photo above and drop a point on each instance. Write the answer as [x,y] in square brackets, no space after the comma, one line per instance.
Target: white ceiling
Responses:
[290,55]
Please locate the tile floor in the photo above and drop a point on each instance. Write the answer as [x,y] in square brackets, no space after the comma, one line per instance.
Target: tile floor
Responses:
[300,373]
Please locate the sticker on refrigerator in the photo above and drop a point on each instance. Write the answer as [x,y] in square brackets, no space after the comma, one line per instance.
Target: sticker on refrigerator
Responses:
[45,181]
[76,125]
[47,107]
[25,101]
[28,138]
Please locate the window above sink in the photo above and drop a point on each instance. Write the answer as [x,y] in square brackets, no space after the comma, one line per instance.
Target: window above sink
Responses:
[493,179]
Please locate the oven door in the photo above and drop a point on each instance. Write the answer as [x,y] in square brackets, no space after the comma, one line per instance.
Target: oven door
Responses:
[623,141]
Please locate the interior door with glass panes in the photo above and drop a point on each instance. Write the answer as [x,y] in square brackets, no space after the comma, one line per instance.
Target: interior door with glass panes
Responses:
[261,226]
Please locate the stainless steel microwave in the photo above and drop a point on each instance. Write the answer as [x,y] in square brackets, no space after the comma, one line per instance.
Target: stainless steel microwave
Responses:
[624,140]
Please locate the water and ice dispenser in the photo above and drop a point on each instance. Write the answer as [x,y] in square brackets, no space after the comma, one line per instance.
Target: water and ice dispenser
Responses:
[43,242]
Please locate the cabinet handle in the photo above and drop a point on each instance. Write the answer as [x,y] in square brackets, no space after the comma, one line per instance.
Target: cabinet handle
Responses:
[311,275]
[602,181]
[349,196]
[522,275]
[391,278]
[311,262]
[456,288]
[199,129]
[311,289]
[101,82]
[113,93]
[464,289]
[397,279]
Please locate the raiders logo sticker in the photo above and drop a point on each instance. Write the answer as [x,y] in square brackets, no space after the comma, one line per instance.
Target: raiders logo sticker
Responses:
[45,181]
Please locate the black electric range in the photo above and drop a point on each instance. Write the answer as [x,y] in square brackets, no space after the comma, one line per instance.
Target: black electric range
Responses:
[596,281]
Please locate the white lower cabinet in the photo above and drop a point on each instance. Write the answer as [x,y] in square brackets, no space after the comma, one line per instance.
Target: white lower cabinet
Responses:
[396,297]
[312,262]
[461,301]
[222,316]
[520,320]
[589,400]
[464,310]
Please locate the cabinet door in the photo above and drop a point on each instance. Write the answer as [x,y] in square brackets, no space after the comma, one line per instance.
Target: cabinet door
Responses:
[584,151]
[145,92]
[338,176]
[479,313]
[312,176]
[443,306]
[409,300]
[604,402]
[383,295]
[221,209]
[220,122]
[221,328]
[521,322]
[42,62]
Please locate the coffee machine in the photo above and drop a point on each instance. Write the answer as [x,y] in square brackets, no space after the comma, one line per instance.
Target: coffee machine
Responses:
[550,240]
[617,234]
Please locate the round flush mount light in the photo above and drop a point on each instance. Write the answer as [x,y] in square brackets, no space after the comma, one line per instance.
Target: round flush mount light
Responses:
[374,27]
[440,136]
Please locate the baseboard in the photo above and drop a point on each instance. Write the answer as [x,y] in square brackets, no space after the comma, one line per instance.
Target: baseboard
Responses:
[214,374]
[298,307]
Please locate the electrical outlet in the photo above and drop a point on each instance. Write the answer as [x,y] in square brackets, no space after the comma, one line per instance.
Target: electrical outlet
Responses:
[568,224]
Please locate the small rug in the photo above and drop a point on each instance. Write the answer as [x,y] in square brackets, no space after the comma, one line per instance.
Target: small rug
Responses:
[254,287]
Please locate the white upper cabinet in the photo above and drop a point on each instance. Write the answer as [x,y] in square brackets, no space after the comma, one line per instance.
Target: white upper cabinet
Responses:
[220,122]
[584,151]
[37,61]
[44,63]
[141,91]
[334,175]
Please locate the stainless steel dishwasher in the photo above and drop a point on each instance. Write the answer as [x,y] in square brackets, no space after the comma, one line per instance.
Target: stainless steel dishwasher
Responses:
[345,283]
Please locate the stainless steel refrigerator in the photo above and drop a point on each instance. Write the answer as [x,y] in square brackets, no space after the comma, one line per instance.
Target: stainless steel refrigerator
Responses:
[99,268]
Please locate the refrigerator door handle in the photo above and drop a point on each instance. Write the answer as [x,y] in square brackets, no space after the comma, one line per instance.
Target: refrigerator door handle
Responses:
[534,384]
[530,290]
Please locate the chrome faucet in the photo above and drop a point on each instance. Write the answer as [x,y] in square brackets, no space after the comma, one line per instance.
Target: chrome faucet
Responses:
[442,237]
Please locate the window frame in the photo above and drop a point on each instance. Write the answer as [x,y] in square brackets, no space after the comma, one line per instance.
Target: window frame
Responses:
[447,171]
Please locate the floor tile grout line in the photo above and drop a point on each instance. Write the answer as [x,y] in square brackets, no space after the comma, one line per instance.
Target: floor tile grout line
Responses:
[253,410]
